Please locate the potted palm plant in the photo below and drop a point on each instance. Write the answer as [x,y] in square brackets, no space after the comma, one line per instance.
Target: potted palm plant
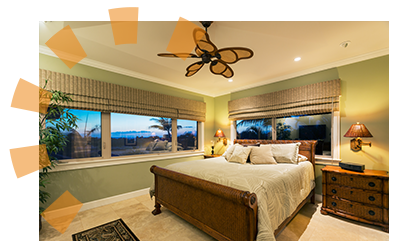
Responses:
[52,126]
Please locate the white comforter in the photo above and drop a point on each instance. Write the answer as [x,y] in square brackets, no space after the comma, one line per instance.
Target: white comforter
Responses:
[279,188]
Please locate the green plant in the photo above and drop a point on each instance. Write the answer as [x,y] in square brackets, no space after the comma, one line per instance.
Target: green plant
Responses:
[51,128]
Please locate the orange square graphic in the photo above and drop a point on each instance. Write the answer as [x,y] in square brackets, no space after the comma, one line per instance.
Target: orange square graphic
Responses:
[27,160]
[124,24]
[67,47]
[25,98]
[182,40]
[62,211]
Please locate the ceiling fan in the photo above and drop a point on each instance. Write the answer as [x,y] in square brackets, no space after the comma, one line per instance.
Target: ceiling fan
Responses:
[208,53]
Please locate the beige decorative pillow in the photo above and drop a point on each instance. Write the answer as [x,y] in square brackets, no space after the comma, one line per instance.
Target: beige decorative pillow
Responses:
[227,154]
[262,155]
[240,154]
[285,153]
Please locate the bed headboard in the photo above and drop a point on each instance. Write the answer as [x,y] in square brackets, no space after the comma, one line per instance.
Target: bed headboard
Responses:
[307,147]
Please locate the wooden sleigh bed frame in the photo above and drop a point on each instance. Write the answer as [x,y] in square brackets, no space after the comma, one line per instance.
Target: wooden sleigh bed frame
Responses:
[223,212]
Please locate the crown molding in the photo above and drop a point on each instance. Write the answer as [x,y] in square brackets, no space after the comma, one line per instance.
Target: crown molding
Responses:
[104,66]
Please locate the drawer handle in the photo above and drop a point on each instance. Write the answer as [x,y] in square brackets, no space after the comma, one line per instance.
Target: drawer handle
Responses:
[334,191]
[371,184]
[371,212]
[333,178]
[334,204]
[371,198]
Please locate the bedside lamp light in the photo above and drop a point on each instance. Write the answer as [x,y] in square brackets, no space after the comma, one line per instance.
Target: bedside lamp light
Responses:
[357,131]
[220,136]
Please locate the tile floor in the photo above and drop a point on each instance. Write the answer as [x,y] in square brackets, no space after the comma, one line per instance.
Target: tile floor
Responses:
[308,225]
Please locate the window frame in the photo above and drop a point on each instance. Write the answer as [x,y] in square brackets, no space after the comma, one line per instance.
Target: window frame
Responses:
[334,158]
[107,160]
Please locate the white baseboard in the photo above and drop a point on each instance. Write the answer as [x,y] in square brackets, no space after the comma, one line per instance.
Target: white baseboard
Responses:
[66,211]
[113,199]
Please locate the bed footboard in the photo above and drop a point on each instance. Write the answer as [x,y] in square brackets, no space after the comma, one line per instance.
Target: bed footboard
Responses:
[224,213]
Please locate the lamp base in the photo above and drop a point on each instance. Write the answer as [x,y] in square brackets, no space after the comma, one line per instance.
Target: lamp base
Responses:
[357,143]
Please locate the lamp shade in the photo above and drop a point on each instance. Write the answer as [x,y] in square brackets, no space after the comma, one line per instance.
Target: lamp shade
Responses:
[219,133]
[358,130]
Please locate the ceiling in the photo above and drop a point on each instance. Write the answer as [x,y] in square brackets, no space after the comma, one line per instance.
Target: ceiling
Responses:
[275,45]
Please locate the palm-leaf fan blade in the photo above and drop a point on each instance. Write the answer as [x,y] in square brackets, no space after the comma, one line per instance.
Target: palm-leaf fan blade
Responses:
[234,54]
[220,68]
[193,68]
[177,55]
[203,42]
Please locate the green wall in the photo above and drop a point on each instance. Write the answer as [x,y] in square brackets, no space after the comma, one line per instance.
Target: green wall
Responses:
[365,98]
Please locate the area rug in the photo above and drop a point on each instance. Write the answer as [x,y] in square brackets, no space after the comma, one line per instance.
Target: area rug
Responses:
[112,231]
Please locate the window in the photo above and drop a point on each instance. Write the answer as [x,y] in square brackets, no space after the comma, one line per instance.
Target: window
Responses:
[322,127]
[85,140]
[254,129]
[307,127]
[136,134]
[187,135]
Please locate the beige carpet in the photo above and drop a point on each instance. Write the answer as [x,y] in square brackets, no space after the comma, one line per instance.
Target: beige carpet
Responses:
[308,225]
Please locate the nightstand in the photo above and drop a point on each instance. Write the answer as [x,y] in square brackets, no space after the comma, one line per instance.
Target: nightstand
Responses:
[211,156]
[360,196]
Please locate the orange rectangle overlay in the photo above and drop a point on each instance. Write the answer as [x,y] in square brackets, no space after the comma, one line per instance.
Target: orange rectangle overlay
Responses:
[124,24]
[67,47]
[182,40]
[25,160]
[44,100]
[30,97]
[62,211]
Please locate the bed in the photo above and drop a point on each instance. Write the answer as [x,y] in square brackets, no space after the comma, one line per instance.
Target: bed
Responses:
[237,208]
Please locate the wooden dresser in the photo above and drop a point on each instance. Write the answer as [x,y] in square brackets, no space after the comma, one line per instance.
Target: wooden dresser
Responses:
[359,196]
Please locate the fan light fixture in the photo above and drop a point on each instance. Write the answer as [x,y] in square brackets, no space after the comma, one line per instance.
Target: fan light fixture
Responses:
[208,53]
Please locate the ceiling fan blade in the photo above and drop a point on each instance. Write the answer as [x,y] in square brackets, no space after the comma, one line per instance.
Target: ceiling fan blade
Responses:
[203,43]
[220,68]
[193,68]
[233,54]
[177,55]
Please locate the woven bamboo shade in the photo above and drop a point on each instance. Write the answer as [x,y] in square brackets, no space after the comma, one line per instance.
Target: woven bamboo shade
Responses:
[315,98]
[89,94]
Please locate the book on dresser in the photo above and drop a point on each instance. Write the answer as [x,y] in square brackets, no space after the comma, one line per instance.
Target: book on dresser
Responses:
[361,196]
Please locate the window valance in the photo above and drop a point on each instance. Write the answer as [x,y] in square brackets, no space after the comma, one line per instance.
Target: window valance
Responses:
[96,95]
[315,98]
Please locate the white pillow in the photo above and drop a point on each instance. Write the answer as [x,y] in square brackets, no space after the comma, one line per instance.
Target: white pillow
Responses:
[301,158]
[285,153]
[240,154]
[227,154]
[262,155]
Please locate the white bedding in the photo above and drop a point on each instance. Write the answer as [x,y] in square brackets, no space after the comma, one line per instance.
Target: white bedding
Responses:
[279,188]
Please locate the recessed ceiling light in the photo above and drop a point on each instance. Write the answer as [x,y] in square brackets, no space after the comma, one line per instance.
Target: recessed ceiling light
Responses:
[230,80]
[345,44]
[297,59]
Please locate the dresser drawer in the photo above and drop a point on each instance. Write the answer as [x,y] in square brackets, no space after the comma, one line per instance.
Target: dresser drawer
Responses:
[366,212]
[369,197]
[362,182]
